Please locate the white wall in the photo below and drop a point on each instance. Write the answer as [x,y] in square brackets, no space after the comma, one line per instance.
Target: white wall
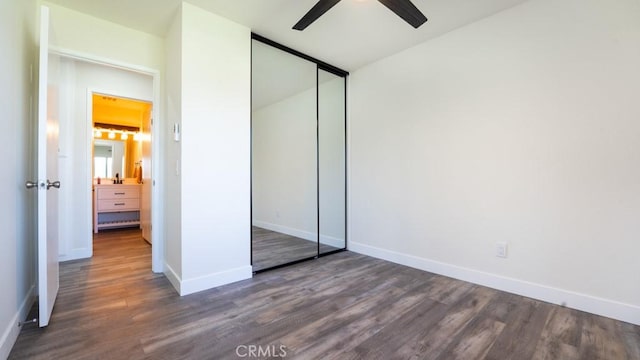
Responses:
[85,34]
[521,128]
[77,79]
[172,154]
[17,267]
[284,166]
[212,162]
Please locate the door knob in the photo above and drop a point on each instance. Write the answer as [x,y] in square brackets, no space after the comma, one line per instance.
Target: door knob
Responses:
[31,184]
[55,184]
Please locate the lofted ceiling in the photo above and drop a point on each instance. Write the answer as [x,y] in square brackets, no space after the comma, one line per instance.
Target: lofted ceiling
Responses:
[350,35]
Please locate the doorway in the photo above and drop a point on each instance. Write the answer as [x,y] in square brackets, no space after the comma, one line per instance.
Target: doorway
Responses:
[82,79]
[121,163]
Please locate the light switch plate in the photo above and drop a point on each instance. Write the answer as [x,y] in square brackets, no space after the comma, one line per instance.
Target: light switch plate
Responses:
[501,249]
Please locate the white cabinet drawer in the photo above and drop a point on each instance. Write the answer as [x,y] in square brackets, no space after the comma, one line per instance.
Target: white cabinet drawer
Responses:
[118,204]
[123,193]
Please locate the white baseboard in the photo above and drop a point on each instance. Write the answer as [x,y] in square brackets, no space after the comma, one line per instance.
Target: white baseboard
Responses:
[302,234]
[210,281]
[595,305]
[12,330]
[190,286]
[332,241]
[172,276]
[76,254]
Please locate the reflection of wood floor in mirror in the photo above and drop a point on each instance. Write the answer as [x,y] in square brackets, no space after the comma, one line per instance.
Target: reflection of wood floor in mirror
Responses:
[272,248]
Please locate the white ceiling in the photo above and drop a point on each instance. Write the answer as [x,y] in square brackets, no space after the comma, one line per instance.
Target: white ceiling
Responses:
[350,35]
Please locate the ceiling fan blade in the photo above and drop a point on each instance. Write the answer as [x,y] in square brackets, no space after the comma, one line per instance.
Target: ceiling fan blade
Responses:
[407,11]
[316,11]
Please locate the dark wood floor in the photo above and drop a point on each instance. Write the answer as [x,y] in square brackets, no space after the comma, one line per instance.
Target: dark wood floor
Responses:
[344,306]
[272,248]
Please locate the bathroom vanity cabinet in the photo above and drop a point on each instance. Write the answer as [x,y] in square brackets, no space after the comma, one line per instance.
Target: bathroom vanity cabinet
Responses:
[116,206]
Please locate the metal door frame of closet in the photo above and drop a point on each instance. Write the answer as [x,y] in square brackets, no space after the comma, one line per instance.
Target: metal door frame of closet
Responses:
[320,65]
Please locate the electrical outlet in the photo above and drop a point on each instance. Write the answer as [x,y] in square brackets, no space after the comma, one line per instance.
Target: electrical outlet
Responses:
[501,249]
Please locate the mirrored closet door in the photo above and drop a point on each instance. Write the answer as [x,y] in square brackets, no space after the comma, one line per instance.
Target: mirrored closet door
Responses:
[298,157]
[331,162]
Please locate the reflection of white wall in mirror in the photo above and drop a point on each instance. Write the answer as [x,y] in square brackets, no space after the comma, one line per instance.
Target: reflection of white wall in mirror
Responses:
[331,131]
[284,166]
[284,161]
[113,151]
[102,161]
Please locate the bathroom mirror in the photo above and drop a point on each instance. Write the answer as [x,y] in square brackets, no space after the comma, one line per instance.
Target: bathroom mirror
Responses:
[115,156]
[109,158]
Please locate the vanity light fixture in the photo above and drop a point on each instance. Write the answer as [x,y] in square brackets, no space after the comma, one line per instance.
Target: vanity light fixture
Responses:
[117,132]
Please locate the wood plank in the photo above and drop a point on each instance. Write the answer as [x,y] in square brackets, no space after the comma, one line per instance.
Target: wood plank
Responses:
[434,340]
[477,341]
[561,335]
[600,340]
[631,339]
[527,321]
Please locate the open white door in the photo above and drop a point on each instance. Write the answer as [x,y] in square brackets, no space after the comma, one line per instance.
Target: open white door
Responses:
[48,281]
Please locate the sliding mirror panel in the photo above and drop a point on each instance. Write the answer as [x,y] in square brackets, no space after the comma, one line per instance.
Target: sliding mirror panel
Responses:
[284,157]
[331,161]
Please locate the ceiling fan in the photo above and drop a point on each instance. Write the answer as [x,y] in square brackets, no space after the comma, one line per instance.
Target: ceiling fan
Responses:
[403,8]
